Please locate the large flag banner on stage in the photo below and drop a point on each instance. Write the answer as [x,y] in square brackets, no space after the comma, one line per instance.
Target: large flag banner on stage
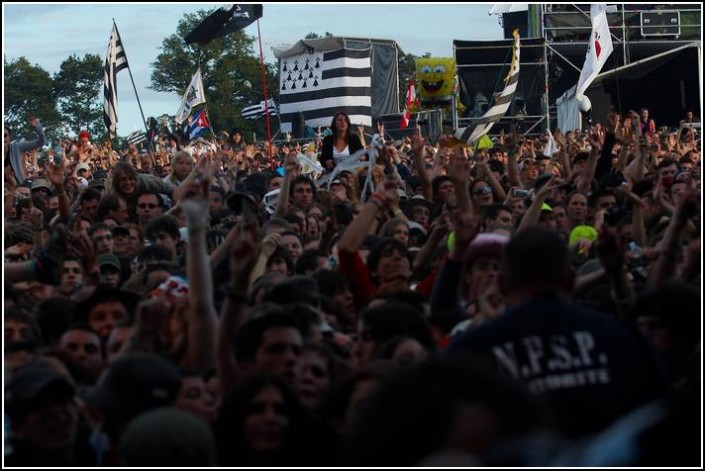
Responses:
[319,84]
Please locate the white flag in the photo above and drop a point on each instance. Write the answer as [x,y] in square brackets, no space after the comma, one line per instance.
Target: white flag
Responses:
[599,49]
[194,95]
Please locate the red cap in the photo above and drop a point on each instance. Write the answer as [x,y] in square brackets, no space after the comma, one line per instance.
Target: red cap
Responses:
[85,134]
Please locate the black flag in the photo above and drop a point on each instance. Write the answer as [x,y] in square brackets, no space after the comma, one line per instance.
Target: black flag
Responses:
[225,20]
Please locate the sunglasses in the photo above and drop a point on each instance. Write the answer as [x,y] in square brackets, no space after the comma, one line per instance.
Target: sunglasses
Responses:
[146,205]
[482,190]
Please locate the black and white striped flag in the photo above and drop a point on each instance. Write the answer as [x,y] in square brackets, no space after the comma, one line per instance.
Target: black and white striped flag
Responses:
[320,84]
[137,137]
[258,111]
[482,126]
[115,61]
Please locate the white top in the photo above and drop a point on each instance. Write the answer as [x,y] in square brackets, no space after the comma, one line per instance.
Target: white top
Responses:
[338,156]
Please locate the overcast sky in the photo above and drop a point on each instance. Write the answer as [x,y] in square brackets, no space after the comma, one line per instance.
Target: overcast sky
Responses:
[46,34]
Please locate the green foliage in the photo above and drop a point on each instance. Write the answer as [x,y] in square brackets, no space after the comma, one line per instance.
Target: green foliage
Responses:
[313,35]
[407,70]
[228,65]
[77,89]
[29,92]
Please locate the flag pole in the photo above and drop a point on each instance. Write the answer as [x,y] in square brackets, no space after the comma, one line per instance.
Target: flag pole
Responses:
[266,100]
[129,69]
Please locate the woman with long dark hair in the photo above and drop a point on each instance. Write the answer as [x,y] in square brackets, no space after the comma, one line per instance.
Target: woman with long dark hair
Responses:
[341,143]
[262,424]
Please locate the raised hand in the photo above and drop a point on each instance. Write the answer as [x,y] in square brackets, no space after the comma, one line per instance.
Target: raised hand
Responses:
[459,167]
[417,142]
[80,246]
[291,165]
[55,173]
[270,244]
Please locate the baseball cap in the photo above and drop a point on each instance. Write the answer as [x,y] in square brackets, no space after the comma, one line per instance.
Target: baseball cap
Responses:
[30,381]
[40,183]
[81,166]
[136,383]
[109,260]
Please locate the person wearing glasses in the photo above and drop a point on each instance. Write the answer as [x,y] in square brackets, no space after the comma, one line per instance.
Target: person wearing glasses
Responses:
[149,206]
[128,184]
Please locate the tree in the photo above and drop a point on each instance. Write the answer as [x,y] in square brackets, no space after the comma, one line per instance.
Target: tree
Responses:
[28,92]
[227,65]
[313,35]
[77,90]
[407,70]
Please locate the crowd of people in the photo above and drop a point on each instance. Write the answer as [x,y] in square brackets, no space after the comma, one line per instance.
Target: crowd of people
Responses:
[207,303]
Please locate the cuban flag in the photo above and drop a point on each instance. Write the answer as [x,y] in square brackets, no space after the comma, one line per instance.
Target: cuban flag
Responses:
[198,125]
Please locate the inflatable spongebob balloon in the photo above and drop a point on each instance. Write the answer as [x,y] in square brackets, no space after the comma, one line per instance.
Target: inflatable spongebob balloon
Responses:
[435,78]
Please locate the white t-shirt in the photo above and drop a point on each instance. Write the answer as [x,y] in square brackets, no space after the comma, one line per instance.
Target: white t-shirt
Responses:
[338,156]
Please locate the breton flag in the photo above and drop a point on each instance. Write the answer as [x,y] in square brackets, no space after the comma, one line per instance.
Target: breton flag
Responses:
[599,49]
[137,137]
[195,95]
[258,111]
[225,20]
[198,125]
[115,61]
[410,100]
[483,125]
[320,84]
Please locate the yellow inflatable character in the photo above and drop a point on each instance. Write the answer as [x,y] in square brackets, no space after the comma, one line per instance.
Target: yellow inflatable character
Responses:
[435,78]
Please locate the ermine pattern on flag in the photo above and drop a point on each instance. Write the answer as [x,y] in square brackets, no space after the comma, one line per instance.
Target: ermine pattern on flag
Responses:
[258,111]
[320,84]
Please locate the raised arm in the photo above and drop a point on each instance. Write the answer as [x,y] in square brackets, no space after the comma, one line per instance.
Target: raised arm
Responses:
[55,173]
[418,148]
[291,170]
[25,146]
[202,320]
[666,264]
[242,260]
[531,217]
